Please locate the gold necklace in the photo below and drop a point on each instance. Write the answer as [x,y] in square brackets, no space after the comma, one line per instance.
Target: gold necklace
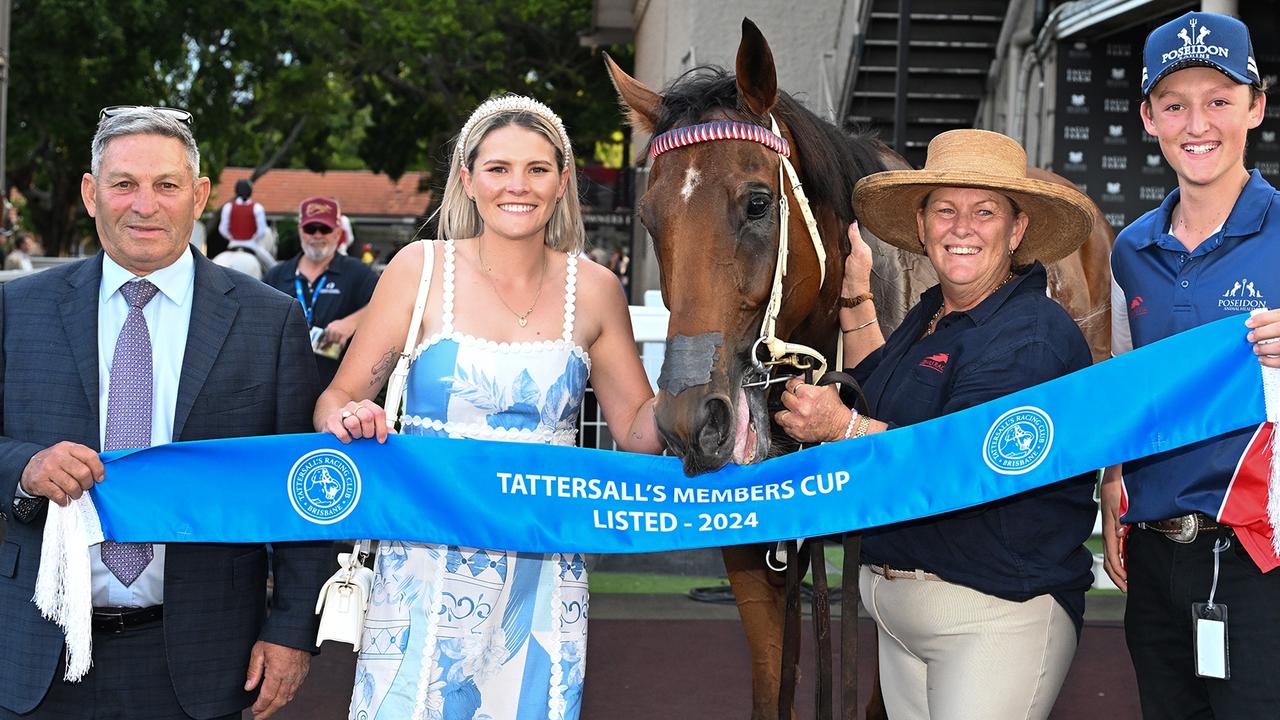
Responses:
[933,321]
[522,318]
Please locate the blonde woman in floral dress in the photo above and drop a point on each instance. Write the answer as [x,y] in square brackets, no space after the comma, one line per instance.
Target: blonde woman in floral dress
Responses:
[517,321]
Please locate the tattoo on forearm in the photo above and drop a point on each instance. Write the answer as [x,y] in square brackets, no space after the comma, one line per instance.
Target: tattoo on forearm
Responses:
[382,369]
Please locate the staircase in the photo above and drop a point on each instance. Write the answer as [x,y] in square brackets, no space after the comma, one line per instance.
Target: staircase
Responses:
[951,46]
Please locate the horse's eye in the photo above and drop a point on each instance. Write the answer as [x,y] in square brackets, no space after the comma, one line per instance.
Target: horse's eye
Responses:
[757,207]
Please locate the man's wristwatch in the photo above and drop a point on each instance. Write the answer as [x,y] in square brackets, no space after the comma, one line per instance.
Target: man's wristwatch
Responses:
[26,509]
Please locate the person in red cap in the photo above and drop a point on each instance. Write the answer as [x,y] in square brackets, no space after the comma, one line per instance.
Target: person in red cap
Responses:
[333,289]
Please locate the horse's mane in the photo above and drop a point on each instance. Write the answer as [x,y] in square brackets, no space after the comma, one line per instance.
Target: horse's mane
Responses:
[834,161]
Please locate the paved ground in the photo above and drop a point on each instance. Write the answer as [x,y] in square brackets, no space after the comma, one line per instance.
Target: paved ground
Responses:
[664,656]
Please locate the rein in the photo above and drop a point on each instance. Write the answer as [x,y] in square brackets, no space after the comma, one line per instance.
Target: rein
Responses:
[781,352]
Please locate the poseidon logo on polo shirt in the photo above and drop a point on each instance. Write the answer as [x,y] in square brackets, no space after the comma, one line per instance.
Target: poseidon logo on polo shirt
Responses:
[1242,295]
[1018,441]
[324,486]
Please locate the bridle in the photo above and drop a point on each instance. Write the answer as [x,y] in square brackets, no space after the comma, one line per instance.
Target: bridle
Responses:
[813,365]
[781,353]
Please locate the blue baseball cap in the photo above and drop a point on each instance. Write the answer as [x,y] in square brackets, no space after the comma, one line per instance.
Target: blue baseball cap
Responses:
[1206,39]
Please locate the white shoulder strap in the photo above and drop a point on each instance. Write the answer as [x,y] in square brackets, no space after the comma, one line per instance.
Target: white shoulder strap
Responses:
[400,376]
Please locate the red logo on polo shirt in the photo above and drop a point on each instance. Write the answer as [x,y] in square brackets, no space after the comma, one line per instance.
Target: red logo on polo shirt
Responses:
[936,362]
[1136,308]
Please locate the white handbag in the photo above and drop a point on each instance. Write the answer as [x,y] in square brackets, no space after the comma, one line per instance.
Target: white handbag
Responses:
[344,598]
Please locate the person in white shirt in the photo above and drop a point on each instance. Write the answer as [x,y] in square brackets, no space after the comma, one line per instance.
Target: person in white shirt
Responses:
[243,223]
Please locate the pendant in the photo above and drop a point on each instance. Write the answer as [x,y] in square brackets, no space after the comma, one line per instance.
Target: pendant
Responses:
[522,320]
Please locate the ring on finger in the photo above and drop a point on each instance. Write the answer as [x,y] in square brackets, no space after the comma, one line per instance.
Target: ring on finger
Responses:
[346,414]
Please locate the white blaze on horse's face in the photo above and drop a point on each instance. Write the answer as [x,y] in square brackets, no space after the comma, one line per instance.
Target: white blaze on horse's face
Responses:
[691,179]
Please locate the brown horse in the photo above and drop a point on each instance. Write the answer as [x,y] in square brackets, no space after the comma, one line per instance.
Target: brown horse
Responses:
[712,210]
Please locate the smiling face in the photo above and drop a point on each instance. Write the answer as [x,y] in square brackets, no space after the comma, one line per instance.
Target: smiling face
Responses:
[969,235]
[144,201]
[515,182]
[1201,118]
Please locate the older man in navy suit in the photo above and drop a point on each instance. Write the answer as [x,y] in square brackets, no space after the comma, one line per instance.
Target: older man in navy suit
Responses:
[144,344]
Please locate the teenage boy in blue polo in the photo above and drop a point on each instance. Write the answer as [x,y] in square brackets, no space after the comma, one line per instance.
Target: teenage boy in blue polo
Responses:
[1195,520]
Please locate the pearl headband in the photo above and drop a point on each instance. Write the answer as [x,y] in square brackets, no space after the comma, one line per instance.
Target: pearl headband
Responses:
[512,104]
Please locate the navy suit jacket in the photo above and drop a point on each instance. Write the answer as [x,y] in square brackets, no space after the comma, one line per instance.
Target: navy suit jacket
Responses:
[247,370]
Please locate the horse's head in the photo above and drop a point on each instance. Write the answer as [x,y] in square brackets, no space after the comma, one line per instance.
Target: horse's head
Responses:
[712,208]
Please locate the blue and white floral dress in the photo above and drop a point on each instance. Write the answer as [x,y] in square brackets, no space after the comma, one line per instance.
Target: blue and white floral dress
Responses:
[457,633]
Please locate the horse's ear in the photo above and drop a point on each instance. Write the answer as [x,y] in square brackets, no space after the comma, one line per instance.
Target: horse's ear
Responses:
[757,76]
[641,102]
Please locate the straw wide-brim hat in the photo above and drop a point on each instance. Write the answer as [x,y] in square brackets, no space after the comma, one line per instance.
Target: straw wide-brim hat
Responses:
[1061,217]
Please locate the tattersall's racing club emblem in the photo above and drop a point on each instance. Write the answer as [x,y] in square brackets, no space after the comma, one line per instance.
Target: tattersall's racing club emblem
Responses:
[324,486]
[1018,440]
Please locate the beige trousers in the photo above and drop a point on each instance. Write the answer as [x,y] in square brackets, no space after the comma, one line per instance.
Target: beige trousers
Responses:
[948,652]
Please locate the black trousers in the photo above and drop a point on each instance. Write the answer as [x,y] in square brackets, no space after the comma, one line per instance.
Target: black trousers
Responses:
[129,680]
[1165,578]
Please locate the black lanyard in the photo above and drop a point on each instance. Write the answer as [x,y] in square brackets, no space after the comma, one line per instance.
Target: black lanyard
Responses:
[308,308]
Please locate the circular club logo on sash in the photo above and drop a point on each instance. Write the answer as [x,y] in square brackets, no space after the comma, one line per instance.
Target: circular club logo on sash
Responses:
[1018,441]
[324,486]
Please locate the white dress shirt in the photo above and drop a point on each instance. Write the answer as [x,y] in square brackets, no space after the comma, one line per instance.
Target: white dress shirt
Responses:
[168,318]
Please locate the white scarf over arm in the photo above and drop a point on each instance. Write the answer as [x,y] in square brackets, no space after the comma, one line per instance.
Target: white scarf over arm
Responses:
[64,584]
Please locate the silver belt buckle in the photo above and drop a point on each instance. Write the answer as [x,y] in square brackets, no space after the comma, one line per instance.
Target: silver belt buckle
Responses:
[1190,529]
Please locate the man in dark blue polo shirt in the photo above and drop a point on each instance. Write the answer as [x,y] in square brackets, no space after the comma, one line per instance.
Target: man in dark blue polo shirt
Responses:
[1196,528]
[333,289]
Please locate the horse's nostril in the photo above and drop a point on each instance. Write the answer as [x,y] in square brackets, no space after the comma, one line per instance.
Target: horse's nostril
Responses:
[716,426]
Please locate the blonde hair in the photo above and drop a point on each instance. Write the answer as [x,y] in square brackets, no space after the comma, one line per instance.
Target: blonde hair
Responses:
[459,217]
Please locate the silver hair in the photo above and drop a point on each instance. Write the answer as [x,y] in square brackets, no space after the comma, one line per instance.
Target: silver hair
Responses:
[143,121]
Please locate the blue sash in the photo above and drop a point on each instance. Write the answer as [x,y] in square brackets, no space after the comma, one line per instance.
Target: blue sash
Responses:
[540,498]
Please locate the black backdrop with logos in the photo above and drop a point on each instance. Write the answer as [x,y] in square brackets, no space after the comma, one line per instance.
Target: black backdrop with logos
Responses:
[1100,143]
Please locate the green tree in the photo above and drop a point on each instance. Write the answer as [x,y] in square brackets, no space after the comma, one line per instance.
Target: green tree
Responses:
[422,67]
[320,84]
[254,100]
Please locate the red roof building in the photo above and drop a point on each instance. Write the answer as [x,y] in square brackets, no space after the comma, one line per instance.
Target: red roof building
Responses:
[382,212]
[361,194]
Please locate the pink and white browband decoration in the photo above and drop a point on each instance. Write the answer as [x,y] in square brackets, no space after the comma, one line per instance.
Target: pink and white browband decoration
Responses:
[718,130]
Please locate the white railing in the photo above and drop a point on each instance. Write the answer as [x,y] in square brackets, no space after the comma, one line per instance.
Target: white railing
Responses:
[649,323]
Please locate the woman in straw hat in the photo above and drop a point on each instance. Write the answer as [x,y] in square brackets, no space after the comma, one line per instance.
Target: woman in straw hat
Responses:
[979,611]
[515,321]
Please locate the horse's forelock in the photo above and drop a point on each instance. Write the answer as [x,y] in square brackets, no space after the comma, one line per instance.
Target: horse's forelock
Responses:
[833,160]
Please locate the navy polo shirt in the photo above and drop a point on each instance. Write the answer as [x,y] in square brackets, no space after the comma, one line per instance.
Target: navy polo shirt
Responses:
[1161,288]
[347,286]
[1020,547]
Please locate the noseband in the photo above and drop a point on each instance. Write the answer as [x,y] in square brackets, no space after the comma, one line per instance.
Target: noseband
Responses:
[780,352]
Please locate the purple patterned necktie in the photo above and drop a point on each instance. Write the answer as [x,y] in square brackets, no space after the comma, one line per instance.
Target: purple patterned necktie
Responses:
[129,414]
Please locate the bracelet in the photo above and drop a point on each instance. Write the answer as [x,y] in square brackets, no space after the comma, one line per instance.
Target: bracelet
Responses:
[864,423]
[848,430]
[856,329]
[856,300]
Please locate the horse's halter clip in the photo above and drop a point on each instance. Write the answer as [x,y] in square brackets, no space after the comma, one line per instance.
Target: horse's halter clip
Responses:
[794,355]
